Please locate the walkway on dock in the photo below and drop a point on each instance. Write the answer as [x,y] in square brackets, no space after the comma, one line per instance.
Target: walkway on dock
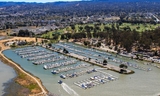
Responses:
[93,61]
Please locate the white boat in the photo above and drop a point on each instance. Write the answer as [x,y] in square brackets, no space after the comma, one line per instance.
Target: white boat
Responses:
[63,76]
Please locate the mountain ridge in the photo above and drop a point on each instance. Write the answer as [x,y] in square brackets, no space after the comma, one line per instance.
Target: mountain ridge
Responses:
[11,3]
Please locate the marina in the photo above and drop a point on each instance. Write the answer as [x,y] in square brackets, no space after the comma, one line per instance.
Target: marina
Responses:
[91,59]
[48,60]
[41,57]
[59,70]
[99,56]
[80,74]
[77,73]
[24,49]
[55,65]
[94,81]
[135,66]
[29,52]
[33,55]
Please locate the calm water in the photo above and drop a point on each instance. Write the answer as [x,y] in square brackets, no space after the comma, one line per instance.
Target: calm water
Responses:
[7,73]
[142,83]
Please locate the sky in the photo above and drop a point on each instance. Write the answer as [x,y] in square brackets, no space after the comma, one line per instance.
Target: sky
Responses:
[39,1]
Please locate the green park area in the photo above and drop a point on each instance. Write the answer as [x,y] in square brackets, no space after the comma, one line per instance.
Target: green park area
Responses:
[50,34]
[140,27]
[137,27]
[101,28]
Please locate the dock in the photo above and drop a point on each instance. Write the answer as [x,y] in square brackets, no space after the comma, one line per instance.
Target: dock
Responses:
[92,61]
[94,81]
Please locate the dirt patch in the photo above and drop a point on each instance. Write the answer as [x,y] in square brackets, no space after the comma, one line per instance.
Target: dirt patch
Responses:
[14,89]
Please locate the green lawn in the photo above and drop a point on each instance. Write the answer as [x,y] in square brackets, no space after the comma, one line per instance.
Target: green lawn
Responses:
[142,27]
[137,27]
[49,34]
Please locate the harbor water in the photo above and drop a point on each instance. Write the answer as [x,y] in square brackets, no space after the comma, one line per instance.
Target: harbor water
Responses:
[7,74]
[144,82]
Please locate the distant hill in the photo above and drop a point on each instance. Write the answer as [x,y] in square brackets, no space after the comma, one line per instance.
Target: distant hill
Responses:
[23,3]
[64,2]
[11,3]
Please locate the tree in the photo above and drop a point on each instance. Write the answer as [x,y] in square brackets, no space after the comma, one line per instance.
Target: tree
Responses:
[55,36]
[98,44]
[105,62]
[25,33]
[80,28]
[86,43]
[79,35]
[13,45]
[88,28]
[50,45]
[66,36]
[36,39]
[123,68]
[73,27]
[65,51]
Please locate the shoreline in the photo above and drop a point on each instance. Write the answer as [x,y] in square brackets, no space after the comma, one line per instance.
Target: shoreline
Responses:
[7,81]
[19,71]
[40,89]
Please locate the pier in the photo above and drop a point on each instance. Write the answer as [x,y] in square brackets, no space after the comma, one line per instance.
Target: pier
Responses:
[77,73]
[55,65]
[53,59]
[59,70]
[94,81]
[92,61]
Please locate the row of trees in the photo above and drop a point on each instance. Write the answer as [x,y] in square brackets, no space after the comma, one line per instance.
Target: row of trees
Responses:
[23,33]
[126,38]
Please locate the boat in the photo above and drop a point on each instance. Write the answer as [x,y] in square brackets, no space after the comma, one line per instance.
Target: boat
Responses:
[94,70]
[92,78]
[63,76]
[149,69]
[102,81]
[60,81]
[54,72]
[45,67]
[84,86]
[110,78]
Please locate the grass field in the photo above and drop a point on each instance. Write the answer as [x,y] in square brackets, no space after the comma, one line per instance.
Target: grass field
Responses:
[137,27]
[140,27]
[49,34]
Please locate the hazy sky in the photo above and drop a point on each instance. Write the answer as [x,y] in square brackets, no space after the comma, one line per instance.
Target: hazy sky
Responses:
[37,0]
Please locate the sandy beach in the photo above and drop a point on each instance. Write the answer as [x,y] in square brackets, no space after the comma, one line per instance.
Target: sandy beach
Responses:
[41,91]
